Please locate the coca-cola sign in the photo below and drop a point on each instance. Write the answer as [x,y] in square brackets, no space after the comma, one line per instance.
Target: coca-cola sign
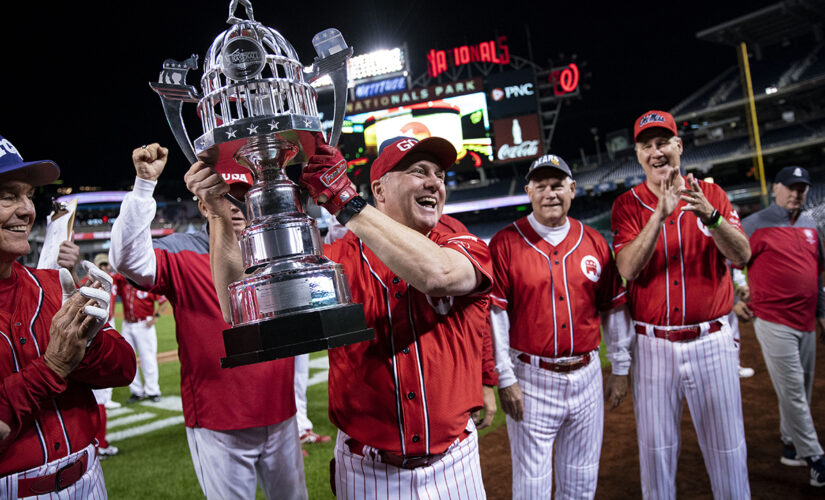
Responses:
[517,138]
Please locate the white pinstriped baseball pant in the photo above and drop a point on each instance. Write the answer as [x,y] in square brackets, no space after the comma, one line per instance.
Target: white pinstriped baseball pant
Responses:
[456,476]
[705,372]
[563,412]
[89,486]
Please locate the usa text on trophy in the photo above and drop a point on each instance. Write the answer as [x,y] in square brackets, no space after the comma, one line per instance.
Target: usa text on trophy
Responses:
[257,108]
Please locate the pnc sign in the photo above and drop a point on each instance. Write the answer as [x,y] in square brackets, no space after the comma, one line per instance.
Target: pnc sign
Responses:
[491,51]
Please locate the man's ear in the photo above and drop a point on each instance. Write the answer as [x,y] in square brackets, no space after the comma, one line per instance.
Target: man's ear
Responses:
[202,207]
[377,187]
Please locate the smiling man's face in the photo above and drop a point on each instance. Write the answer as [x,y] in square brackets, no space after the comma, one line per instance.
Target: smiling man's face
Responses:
[658,152]
[413,196]
[16,217]
[551,192]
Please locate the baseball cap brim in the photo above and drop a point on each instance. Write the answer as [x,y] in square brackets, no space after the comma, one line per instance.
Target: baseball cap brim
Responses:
[442,149]
[36,173]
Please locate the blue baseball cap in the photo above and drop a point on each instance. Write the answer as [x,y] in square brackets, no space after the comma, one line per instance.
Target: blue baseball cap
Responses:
[792,175]
[12,167]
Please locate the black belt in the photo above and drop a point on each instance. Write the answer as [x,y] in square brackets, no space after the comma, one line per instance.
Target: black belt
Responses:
[397,460]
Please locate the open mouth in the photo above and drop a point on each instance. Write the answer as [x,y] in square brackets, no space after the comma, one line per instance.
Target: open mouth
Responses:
[17,229]
[660,164]
[427,202]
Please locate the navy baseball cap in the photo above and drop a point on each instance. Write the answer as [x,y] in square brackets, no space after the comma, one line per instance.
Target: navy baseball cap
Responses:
[393,151]
[792,175]
[12,167]
[549,162]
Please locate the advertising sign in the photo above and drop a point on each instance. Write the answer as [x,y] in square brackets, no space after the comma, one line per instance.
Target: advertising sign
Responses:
[517,138]
[511,93]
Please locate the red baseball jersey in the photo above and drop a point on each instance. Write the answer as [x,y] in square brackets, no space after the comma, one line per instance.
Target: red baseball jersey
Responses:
[412,389]
[786,262]
[553,295]
[49,417]
[213,397]
[138,305]
[687,279]
[489,375]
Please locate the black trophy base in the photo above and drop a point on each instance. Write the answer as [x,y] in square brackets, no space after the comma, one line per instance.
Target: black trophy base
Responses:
[295,334]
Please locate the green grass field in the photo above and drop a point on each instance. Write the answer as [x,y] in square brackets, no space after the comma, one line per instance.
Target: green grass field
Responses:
[156,463]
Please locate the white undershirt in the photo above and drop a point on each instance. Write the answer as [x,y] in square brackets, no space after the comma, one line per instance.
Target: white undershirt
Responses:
[553,235]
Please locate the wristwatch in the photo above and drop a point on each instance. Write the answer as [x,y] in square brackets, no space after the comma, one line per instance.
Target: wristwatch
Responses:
[353,207]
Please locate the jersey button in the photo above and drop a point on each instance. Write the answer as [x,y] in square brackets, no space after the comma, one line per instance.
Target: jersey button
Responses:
[675,282]
[57,446]
[397,295]
[405,350]
[561,298]
[557,263]
[22,340]
[18,324]
[676,309]
[411,395]
[564,325]
[416,439]
[395,280]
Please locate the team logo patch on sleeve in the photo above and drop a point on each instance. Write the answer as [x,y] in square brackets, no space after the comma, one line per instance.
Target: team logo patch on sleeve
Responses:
[810,237]
[591,268]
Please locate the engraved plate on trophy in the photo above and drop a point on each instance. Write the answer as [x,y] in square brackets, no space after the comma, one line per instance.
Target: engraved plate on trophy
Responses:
[258,109]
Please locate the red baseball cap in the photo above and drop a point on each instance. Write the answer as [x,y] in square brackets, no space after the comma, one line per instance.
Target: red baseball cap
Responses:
[392,151]
[654,119]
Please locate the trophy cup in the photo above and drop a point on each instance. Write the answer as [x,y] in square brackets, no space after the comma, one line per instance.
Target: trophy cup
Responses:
[257,109]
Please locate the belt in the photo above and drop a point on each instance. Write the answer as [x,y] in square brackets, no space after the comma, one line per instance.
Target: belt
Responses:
[560,367]
[396,460]
[56,481]
[681,334]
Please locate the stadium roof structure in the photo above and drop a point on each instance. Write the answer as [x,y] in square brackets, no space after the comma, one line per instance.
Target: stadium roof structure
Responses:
[770,25]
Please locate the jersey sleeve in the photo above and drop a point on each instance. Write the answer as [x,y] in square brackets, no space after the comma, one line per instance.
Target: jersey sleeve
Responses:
[477,252]
[721,202]
[624,225]
[612,292]
[499,251]
[489,376]
[131,250]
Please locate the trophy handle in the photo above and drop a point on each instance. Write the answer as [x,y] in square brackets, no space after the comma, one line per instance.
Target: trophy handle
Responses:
[173,92]
[333,55]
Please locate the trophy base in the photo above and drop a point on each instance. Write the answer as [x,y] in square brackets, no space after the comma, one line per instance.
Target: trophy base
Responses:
[295,334]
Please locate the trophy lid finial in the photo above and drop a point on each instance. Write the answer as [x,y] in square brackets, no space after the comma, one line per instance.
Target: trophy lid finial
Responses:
[233,5]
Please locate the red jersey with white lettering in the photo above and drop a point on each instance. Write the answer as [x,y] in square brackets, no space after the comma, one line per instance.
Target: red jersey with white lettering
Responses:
[553,295]
[412,389]
[212,397]
[138,305]
[687,279]
[50,417]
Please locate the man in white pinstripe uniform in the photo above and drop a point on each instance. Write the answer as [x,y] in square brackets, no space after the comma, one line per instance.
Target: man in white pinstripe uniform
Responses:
[555,282]
[672,235]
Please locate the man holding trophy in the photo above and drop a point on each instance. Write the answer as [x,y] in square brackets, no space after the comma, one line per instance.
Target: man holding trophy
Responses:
[402,402]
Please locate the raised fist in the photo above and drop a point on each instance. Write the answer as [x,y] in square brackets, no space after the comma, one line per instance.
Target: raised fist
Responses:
[149,161]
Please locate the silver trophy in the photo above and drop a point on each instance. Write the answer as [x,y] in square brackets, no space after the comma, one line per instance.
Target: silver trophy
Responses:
[258,109]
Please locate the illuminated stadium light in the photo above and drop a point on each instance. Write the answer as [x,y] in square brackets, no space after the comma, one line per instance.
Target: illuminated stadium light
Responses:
[771,90]
[477,205]
[380,62]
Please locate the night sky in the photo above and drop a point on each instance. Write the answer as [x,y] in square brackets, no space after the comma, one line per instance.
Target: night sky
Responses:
[75,75]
